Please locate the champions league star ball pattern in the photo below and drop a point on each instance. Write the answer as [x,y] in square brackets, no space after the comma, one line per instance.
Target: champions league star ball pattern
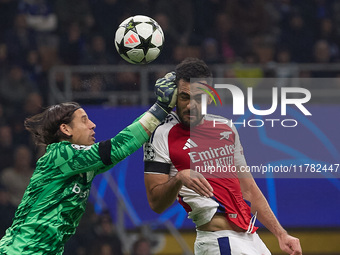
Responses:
[139,39]
[149,152]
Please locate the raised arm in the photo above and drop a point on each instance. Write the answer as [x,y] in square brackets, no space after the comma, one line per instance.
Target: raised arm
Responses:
[135,135]
[102,156]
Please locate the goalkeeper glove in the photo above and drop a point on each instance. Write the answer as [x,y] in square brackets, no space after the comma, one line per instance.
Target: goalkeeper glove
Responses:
[166,92]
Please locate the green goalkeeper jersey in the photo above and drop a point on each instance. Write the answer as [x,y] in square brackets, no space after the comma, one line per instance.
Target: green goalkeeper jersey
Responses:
[56,197]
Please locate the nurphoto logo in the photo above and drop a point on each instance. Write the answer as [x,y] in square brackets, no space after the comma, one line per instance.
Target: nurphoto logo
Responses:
[287,94]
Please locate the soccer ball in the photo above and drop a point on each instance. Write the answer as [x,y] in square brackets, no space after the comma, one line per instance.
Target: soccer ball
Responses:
[139,39]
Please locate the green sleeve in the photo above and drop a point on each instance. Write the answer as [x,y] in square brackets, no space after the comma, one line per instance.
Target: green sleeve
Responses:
[125,143]
[100,157]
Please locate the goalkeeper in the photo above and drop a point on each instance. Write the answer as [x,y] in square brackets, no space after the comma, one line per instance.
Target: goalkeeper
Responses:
[56,197]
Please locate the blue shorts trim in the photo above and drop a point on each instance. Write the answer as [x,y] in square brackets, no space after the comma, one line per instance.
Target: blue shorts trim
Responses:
[224,245]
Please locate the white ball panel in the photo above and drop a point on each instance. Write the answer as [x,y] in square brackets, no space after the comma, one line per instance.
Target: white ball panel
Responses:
[136,55]
[119,34]
[160,30]
[144,30]
[141,18]
[117,46]
[152,54]
[157,38]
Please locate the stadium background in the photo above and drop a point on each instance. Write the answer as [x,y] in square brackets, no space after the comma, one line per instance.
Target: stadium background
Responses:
[53,51]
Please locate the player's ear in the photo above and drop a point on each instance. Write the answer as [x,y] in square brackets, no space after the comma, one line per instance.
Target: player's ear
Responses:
[66,129]
[210,98]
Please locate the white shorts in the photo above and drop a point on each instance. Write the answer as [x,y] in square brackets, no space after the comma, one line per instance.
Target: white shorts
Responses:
[228,242]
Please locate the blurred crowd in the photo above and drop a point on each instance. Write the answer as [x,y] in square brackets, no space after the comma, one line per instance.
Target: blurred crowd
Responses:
[97,235]
[36,35]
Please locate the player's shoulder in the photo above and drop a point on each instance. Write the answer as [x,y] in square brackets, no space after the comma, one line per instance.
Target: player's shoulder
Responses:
[212,117]
[220,121]
[163,129]
[218,118]
[69,147]
[59,153]
[170,121]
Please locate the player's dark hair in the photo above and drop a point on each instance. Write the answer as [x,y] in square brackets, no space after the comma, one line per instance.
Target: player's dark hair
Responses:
[44,126]
[192,68]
